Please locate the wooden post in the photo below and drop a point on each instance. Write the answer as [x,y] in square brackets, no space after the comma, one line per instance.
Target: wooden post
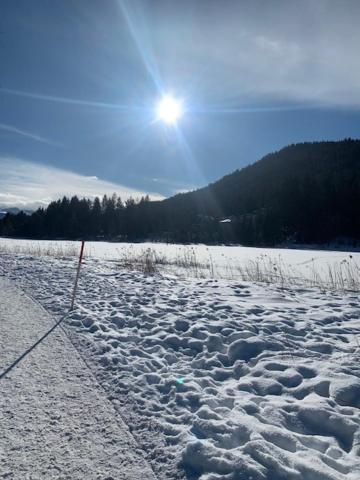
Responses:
[77,275]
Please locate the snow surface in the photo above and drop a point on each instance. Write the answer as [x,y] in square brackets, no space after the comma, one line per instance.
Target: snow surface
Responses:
[216,379]
[55,420]
[221,261]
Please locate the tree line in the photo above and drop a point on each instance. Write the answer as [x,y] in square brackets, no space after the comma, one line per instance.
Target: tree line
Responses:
[305,193]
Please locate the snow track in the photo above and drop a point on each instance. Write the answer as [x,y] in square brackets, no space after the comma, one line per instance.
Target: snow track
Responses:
[55,420]
[217,379]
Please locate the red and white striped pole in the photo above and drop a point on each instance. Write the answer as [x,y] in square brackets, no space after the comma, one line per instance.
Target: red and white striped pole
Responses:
[77,275]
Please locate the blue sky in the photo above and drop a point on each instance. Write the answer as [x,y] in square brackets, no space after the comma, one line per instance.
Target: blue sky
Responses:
[80,81]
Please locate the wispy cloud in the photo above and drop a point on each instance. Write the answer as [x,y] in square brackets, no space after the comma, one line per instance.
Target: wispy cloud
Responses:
[241,51]
[26,184]
[25,133]
[65,100]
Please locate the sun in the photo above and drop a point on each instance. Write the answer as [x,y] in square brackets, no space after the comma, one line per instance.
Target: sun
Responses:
[169,110]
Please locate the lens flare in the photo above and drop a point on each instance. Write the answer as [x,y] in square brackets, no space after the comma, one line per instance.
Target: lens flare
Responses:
[169,110]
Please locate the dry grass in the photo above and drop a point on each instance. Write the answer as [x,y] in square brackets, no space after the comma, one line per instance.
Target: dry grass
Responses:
[340,276]
[149,260]
[55,249]
[343,276]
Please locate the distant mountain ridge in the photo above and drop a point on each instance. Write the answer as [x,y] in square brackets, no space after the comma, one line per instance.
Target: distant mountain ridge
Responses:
[13,210]
[307,193]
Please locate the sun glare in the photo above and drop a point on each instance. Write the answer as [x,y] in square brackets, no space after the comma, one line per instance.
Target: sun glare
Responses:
[169,110]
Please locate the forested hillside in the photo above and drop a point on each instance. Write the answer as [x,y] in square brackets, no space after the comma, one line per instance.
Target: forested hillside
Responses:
[305,193]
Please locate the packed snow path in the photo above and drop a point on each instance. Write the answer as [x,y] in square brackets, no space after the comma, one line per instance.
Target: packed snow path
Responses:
[55,421]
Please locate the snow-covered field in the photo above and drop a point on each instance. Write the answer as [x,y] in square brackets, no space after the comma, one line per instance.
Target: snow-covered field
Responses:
[310,267]
[217,378]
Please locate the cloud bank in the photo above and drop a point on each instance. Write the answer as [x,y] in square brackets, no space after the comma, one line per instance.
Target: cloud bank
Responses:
[30,185]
